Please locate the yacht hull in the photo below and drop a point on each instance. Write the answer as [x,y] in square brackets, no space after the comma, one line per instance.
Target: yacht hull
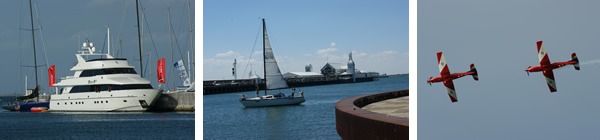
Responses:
[272,102]
[121,100]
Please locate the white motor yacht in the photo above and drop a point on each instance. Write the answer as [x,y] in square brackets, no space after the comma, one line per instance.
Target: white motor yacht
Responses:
[102,83]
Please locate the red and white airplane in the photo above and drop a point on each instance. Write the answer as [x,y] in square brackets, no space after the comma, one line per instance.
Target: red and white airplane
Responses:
[546,67]
[447,78]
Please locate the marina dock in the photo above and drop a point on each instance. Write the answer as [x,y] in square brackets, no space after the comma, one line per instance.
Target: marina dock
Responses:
[178,101]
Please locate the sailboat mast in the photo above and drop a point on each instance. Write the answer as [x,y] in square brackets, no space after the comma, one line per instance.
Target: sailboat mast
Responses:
[34,52]
[191,41]
[264,54]
[33,38]
[139,36]
[171,44]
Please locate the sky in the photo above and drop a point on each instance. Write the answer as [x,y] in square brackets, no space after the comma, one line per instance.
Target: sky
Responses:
[305,32]
[499,38]
[66,23]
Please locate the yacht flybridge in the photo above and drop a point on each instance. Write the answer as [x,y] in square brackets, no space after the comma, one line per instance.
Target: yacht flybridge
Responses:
[102,83]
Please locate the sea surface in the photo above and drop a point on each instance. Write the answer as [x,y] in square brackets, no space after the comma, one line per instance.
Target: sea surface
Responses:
[226,118]
[96,125]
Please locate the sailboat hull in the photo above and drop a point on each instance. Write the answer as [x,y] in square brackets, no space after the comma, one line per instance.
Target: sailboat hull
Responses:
[25,107]
[273,102]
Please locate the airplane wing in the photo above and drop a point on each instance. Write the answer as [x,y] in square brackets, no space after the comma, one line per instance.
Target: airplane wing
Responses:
[549,75]
[542,54]
[451,92]
[444,71]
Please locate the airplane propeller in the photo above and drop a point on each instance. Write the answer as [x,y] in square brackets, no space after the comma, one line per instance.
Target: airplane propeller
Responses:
[527,71]
[429,82]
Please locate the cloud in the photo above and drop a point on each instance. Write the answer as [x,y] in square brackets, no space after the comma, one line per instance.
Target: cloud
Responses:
[327,51]
[332,44]
[257,53]
[229,53]
[389,53]
[358,54]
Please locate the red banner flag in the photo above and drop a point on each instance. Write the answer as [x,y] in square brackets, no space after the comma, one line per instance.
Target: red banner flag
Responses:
[51,75]
[160,74]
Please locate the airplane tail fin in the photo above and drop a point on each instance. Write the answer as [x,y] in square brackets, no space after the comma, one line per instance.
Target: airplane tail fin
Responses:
[474,70]
[574,58]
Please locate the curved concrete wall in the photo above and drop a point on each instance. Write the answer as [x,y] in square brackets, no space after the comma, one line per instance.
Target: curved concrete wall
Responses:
[352,122]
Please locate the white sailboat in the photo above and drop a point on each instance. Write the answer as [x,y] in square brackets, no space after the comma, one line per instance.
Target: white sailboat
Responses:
[273,80]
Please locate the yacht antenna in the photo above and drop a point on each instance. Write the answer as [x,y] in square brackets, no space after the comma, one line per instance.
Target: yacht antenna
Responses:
[108,34]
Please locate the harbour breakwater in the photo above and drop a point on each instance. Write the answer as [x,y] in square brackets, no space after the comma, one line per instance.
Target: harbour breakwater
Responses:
[228,86]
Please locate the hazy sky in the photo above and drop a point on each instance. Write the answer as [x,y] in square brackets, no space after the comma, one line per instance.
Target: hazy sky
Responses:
[303,32]
[66,22]
[499,37]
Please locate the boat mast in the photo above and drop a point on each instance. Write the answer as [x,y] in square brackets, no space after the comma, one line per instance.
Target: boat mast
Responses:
[191,41]
[171,44]
[139,36]
[33,39]
[264,54]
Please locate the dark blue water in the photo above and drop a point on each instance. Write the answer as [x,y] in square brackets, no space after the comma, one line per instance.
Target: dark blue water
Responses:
[226,118]
[117,125]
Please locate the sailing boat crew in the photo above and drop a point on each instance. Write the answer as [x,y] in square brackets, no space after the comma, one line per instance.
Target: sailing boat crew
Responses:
[293,91]
[257,89]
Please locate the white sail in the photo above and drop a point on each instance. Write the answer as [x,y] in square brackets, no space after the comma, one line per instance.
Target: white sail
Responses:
[273,76]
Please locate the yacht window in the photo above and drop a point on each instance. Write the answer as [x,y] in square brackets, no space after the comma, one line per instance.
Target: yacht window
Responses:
[103,87]
[88,73]
[98,88]
[126,87]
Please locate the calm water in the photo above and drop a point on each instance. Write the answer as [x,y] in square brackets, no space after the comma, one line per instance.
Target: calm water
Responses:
[226,118]
[81,125]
